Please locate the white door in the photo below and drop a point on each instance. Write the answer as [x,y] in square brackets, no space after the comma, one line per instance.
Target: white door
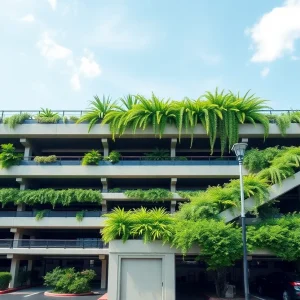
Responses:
[141,279]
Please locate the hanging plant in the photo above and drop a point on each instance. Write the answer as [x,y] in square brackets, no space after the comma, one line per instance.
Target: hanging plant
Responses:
[15,120]
[80,215]
[152,195]
[41,214]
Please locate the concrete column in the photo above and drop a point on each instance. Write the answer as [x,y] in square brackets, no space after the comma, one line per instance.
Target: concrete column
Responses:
[14,271]
[23,186]
[104,185]
[104,206]
[28,148]
[103,273]
[173,184]
[105,147]
[173,206]
[173,147]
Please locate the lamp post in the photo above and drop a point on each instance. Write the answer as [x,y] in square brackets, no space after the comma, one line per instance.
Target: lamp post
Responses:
[239,149]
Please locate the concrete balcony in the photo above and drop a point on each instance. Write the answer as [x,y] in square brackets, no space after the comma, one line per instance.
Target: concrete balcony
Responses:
[51,222]
[34,130]
[155,170]
[53,247]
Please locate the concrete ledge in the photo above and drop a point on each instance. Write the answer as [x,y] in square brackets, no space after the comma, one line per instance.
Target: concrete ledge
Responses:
[102,131]
[49,294]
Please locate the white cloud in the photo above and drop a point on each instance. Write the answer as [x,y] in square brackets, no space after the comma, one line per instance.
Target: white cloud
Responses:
[265,72]
[28,18]
[51,50]
[116,33]
[89,68]
[276,32]
[52,4]
[75,82]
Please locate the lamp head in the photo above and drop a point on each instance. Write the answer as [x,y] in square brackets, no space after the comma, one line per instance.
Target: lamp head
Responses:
[239,150]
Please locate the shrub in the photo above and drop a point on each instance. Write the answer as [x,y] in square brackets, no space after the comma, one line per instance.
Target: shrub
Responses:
[47,116]
[158,154]
[80,215]
[5,278]
[152,195]
[91,158]
[41,214]
[14,120]
[113,157]
[45,159]
[115,190]
[73,118]
[8,156]
[69,281]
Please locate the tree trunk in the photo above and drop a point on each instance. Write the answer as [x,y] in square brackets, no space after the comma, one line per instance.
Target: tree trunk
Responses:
[220,282]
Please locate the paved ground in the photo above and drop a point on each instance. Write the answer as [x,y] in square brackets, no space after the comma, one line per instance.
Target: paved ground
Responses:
[38,294]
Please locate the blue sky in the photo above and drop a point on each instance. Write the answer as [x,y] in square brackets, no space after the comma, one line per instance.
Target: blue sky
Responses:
[59,53]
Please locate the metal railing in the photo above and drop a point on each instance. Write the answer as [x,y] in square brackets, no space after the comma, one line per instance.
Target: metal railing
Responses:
[139,159]
[50,213]
[64,244]
[79,113]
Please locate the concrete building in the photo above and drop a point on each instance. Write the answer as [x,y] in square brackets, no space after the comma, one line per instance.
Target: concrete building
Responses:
[59,239]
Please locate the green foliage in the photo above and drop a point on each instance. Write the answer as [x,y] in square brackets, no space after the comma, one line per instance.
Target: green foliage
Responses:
[97,110]
[41,214]
[209,203]
[282,166]
[280,236]
[268,211]
[188,194]
[150,225]
[113,157]
[115,190]
[91,158]
[49,196]
[14,120]
[8,156]
[220,114]
[158,154]
[74,119]
[69,281]
[220,244]
[45,159]
[47,116]
[80,215]
[5,278]
[152,195]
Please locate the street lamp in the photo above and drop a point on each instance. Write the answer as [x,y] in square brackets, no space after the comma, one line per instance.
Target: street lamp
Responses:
[239,149]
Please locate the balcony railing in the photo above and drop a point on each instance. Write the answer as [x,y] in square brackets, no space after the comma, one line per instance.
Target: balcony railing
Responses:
[64,244]
[79,113]
[50,214]
[143,160]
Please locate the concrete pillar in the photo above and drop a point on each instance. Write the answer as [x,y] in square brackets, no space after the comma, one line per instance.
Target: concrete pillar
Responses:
[173,147]
[28,148]
[14,271]
[23,183]
[173,184]
[104,206]
[104,185]
[103,273]
[105,147]
[173,206]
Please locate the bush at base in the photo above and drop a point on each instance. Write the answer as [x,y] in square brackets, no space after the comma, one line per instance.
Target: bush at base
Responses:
[5,278]
[68,281]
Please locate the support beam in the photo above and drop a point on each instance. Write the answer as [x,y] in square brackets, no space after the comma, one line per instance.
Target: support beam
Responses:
[14,271]
[104,185]
[28,148]
[104,206]
[105,147]
[173,147]
[23,183]
[173,184]
[173,206]
[103,273]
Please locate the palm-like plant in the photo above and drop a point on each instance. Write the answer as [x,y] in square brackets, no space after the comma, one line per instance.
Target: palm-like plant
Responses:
[97,110]
[118,225]
[47,113]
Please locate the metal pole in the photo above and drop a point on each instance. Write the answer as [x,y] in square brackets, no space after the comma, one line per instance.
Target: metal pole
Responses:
[245,262]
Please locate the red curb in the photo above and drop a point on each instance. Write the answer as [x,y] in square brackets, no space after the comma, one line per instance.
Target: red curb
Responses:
[14,289]
[104,297]
[67,295]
